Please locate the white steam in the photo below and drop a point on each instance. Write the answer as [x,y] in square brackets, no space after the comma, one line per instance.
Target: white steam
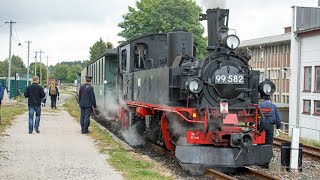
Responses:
[132,136]
[211,4]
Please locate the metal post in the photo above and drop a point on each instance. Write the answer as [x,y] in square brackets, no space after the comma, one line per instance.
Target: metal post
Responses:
[9,69]
[28,62]
[47,70]
[35,64]
[40,66]
[294,155]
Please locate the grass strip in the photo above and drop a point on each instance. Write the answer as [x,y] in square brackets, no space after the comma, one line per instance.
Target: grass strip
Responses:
[8,112]
[303,141]
[129,163]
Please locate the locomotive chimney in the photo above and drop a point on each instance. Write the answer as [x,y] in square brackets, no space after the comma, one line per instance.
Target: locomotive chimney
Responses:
[215,18]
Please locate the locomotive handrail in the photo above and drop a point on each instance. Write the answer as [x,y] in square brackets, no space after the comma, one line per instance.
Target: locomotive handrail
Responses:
[181,115]
[168,109]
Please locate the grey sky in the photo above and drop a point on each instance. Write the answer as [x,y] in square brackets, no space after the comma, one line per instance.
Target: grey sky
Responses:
[65,29]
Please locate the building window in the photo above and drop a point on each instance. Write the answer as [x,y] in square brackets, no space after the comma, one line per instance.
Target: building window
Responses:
[287,99]
[317,107]
[317,79]
[306,106]
[307,79]
[283,99]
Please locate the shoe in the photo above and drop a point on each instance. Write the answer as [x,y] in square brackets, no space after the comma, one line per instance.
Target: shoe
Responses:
[85,132]
[37,130]
[30,132]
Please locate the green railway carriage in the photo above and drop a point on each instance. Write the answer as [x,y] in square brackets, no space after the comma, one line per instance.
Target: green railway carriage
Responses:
[104,73]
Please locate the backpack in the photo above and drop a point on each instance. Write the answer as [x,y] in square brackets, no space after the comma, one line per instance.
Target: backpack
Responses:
[53,90]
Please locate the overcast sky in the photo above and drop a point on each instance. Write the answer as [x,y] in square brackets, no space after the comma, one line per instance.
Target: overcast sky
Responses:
[65,29]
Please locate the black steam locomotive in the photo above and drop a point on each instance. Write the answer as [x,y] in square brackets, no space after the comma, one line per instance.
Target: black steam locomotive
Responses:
[204,111]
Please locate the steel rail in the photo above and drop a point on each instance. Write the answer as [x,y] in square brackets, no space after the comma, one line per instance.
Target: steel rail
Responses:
[260,175]
[218,175]
[308,150]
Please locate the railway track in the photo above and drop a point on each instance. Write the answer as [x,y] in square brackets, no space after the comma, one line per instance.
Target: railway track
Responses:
[219,175]
[310,151]
[248,172]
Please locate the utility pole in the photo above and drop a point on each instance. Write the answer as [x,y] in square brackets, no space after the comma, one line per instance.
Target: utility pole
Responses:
[47,70]
[35,64]
[9,69]
[28,62]
[41,66]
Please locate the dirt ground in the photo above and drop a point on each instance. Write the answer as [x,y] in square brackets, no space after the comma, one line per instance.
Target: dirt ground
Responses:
[60,151]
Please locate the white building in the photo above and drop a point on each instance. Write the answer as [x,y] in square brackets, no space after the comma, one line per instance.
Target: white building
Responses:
[304,110]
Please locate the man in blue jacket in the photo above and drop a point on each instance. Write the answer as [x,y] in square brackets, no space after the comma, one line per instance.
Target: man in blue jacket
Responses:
[1,93]
[270,118]
[87,100]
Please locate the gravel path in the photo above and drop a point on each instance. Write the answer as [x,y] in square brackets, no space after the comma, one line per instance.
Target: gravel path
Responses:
[58,152]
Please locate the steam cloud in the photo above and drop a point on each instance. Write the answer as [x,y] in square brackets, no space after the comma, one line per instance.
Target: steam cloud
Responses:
[132,136]
[211,4]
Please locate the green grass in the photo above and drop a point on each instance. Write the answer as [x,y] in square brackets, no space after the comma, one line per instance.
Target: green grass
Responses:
[8,112]
[129,163]
[303,141]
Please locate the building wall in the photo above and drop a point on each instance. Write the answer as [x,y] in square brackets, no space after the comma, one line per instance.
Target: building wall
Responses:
[273,62]
[310,57]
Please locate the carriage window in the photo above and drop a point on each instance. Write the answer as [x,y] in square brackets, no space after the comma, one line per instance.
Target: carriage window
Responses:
[140,53]
[123,59]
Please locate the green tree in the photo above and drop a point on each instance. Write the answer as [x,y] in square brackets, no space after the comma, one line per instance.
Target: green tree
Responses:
[60,71]
[72,72]
[97,49]
[17,66]
[43,67]
[109,45]
[156,16]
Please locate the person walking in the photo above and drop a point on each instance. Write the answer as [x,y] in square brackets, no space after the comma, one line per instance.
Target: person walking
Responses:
[34,93]
[1,93]
[54,93]
[87,100]
[44,100]
[270,118]
[1,97]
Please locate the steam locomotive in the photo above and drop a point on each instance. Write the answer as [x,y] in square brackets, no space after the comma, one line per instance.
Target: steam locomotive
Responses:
[204,111]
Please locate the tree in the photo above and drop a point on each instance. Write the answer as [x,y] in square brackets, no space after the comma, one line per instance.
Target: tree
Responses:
[61,71]
[43,78]
[97,49]
[73,71]
[109,45]
[156,16]
[17,66]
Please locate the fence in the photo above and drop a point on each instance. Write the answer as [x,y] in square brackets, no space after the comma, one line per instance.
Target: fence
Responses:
[305,132]
[16,87]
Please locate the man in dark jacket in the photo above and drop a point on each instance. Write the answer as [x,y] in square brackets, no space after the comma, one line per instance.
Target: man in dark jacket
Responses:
[34,93]
[87,100]
[270,118]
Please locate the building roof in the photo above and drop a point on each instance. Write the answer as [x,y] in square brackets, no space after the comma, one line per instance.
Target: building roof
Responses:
[307,19]
[266,40]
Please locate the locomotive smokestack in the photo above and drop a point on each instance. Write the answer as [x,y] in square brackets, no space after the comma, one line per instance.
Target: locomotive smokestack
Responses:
[216,18]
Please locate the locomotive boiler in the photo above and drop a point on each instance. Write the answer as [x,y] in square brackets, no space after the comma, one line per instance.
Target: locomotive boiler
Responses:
[205,111]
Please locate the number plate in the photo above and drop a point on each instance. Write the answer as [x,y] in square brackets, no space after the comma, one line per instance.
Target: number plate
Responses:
[229,79]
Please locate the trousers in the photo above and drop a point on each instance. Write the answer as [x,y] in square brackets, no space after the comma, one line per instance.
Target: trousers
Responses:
[53,101]
[32,110]
[85,119]
[269,133]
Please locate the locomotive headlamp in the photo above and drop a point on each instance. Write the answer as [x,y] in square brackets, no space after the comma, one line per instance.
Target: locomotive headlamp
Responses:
[194,85]
[232,41]
[266,88]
